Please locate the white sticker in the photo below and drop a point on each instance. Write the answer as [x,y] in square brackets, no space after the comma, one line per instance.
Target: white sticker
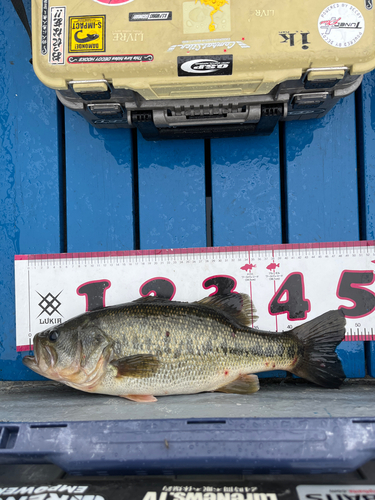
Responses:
[341,25]
[197,45]
[336,492]
[57,36]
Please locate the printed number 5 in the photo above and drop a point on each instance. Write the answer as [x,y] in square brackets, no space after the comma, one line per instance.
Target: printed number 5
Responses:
[351,288]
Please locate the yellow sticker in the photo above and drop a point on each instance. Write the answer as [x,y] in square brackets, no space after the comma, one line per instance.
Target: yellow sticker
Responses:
[215,4]
[206,16]
[87,34]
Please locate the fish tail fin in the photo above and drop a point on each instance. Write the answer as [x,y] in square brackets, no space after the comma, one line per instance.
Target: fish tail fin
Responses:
[317,360]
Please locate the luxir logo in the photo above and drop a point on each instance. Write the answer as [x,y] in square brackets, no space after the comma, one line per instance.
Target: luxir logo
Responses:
[198,66]
[49,305]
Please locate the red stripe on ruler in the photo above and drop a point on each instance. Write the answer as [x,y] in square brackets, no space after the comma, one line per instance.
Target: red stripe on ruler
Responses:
[198,250]
[24,348]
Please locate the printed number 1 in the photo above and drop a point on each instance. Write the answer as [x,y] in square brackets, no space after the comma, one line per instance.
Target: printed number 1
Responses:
[95,293]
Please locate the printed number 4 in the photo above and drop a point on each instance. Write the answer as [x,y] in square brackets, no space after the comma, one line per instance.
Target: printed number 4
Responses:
[295,305]
[350,287]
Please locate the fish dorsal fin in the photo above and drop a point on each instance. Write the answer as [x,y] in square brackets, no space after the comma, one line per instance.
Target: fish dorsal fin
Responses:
[237,305]
[151,299]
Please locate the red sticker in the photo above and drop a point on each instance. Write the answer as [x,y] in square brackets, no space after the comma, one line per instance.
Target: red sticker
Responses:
[113,2]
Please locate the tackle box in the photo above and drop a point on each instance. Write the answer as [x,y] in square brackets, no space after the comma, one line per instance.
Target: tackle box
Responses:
[201,68]
[68,187]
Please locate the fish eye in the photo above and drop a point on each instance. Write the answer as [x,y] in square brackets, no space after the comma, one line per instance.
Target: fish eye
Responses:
[53,336]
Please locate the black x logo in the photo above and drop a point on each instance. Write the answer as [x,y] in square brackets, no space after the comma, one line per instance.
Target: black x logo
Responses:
[49,304]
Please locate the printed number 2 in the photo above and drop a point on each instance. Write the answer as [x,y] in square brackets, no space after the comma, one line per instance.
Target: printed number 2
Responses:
[351,288]
[296,306]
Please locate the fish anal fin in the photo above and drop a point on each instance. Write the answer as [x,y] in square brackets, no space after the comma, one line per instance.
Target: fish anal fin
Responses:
[244,384]
[239,306]
[140,398]
[138,366]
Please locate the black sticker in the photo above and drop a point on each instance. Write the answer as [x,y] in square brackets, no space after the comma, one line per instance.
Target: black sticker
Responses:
[205,65]
[150,16]
[368,4]
[121,58]
[44,24]
[297,39]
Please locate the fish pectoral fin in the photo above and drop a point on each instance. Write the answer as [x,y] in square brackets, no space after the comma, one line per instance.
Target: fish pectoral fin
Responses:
[138,366]
[140,398]
[244,384]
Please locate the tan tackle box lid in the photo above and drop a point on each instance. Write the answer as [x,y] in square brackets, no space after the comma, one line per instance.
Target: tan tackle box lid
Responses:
[199,48]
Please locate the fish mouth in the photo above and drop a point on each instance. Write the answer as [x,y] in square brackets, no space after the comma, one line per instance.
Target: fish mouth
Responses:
[31,362]
[44,357]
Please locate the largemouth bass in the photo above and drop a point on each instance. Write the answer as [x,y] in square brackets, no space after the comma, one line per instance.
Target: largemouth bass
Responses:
[155,346]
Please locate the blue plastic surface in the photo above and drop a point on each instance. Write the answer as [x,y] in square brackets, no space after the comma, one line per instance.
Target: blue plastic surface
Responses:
[172,212]
[99,198]
[215,446]
[322,192]
[246,194]
[309,181]
[366,148]
[29,174]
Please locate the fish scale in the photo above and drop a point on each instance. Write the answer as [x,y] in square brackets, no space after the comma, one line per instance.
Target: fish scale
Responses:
[155,346]
[201,346]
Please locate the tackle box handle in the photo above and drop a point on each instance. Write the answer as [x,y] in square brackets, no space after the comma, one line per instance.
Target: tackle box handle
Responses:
[270,116]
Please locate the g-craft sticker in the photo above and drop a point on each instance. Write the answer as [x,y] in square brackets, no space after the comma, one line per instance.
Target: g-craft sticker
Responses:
[119,58]
[341,25]
[150,16]
[205,66]
[57,36]
[44,29]
[87,34]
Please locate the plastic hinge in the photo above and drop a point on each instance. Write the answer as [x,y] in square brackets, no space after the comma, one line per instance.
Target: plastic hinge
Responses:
[108,111]
[270,115]
[8,437]
[95,96]
[144,121]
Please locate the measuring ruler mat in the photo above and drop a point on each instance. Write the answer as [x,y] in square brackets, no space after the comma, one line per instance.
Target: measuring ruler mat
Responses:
[289,284]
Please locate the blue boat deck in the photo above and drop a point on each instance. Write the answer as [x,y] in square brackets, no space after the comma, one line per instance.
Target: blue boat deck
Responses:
[67,187]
